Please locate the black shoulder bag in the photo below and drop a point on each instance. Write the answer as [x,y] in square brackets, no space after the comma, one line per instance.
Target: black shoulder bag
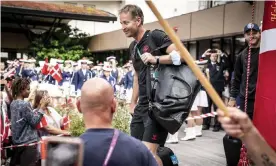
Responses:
[171,94]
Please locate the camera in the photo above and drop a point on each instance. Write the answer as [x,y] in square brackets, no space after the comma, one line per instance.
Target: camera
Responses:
[65,151]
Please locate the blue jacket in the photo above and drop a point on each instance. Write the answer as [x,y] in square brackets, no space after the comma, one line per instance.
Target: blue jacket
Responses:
[115,74]
[17,70]
[66,77]
[29,73]
[128,80]
[79,79]
[50,80]
[111,80]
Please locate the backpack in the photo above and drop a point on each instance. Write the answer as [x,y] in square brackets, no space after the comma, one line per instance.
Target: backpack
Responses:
[167,156]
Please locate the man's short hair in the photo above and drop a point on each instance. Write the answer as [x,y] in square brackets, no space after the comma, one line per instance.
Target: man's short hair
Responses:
[134,10]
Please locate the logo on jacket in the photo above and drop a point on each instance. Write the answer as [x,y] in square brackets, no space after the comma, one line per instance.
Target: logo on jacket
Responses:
[154,137]
[146,49]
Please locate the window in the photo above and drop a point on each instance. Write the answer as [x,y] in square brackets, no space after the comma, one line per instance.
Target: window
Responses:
[71,3]
[4,55]
[239,44]
[18,55]
[193,49]
[221,2]
[89,6]
[209,4]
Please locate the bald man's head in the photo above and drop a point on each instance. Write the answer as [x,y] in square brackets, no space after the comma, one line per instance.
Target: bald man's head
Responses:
[97,94]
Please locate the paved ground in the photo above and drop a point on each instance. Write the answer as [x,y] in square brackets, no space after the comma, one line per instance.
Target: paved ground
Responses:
[204,151]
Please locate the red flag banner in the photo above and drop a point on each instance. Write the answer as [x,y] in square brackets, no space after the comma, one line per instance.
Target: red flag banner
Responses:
[55,72]
[65,123]
[265,101]
[42,123]
[44,69]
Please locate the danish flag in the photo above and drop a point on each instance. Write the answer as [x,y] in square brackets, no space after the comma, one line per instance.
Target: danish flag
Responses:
[45,67]
[55,72]
[265,99]
[5,126]
[43,123]
[65,123]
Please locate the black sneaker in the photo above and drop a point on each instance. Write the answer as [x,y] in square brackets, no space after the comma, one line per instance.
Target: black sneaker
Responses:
[205,127]
[216,129]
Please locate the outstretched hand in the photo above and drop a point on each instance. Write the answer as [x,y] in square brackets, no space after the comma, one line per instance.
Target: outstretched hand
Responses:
[237,124]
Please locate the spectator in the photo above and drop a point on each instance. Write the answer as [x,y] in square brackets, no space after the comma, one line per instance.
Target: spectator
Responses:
[23,123]
[215,75]
[54,120]
[98,105]
[238,87]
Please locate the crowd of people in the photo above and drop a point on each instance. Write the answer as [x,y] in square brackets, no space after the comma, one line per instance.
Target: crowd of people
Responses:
[29,95]
[66,78]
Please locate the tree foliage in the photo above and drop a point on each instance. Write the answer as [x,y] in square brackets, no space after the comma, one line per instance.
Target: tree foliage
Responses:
[66,43]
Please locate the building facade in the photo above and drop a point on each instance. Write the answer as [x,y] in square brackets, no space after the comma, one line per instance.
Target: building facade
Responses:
[218,26]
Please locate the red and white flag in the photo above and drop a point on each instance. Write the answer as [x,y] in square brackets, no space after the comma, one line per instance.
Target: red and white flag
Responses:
[43,123]
[65,123]
[265,107]
[5,126]
[55,72]
[45,68]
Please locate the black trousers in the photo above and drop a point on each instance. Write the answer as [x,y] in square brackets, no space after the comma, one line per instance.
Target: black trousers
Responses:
[207,121]
[25,156]
[232,146]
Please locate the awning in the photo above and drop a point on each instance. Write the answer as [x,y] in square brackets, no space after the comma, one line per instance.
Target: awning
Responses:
[52,10]
[33,18]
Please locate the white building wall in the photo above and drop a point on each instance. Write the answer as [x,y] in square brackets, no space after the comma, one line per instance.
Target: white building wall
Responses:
[167,8]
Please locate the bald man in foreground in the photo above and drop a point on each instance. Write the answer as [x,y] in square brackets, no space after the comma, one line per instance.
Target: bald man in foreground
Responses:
[98,105]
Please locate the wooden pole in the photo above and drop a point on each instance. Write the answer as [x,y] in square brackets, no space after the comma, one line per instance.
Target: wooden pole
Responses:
[188,58]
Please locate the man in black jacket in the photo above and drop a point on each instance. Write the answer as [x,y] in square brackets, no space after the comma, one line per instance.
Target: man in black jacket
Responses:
[215,70]
[232,145]
[238,87]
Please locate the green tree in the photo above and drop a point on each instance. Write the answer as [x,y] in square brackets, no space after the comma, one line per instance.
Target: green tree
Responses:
[66,43]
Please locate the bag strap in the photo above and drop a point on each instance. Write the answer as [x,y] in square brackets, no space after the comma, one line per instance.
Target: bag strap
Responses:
[111,147]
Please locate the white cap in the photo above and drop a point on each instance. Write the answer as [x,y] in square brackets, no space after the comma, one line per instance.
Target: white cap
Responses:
[69,61]
[83,61]
[22,60]
[59,61]
[110,57]
[107,67]
[89,62]
[31,61]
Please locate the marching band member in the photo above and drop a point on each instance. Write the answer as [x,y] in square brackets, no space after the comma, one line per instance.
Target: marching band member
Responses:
[81,76]
[128,82]
[60,64]
[20,67]
[67,75]
[90,68]
[107,75]
[100,69]
[113,62]
[30,72]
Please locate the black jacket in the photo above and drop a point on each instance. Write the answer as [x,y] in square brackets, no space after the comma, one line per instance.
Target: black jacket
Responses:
[239,81]
[216,75]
